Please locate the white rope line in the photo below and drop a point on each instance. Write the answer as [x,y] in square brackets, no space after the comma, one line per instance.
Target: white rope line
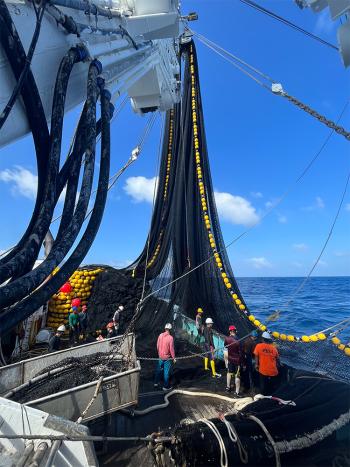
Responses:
[269,437]
[222,447]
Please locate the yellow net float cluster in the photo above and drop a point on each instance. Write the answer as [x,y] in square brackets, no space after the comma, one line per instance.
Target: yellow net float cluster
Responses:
[202,192]
[82,282]
[341,346]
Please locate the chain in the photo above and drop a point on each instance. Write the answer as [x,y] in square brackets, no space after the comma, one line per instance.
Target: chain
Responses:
[321,118]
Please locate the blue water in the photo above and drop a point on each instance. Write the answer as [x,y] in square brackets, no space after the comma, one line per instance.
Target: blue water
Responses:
[322,302]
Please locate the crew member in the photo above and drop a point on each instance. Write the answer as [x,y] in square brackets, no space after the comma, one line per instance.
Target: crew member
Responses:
[266,363]
[55,340]
[166,353]
[209,347]
[110,330]
[73,321]
[116,318]
[248,347]
[234,355]
[199,325]
[83,321]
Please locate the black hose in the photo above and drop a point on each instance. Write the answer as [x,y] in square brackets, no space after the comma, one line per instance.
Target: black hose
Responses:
[17,89]
[69,227]
[25,258]
[22,310]
[13,48]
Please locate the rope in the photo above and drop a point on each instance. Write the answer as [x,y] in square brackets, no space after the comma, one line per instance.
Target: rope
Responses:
[233,435]
[287,23]
[98,385]
[269,437]
[222,447]
[240,402]
[276,88]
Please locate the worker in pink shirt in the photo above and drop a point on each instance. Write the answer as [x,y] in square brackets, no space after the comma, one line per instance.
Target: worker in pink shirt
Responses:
[166,353]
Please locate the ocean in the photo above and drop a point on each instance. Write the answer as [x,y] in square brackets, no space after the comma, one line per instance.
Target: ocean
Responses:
[323,302]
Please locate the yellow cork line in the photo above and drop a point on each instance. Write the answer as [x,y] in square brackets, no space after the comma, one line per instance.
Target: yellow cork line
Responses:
[167,177]
[202,191]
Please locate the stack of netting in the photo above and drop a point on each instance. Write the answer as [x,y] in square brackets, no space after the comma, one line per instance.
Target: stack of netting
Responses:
[82,282]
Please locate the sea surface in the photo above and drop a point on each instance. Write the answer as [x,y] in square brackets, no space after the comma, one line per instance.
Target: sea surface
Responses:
[323,302]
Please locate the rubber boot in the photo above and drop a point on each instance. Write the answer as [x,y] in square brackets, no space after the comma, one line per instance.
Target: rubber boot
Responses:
[206,361]
[238,385]
[215,375]
[228,382]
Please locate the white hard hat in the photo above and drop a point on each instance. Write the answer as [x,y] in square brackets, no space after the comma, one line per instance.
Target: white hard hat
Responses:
[61,328]
[209,321]
[266,335]
[168,326]
[121,308]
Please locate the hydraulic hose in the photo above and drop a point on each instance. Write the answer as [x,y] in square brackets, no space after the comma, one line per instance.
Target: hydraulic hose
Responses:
[25,258]
[26,307]
[16,56]
[69,227]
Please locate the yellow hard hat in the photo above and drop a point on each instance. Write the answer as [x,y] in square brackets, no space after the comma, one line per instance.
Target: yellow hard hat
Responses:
[199,310]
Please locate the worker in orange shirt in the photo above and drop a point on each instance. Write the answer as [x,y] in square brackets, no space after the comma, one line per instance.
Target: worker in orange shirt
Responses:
[266,363]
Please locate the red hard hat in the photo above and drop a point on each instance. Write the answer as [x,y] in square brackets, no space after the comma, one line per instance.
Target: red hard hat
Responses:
[232,328]
[110,325]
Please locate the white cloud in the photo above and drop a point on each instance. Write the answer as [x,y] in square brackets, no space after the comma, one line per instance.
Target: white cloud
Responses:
[300,246]
[296,264]
[256,194]
[318,204]
[22,181]
[260,262]
[322,263]
[121,263]
[282,219]
[235,209]
[269,204]
[141,188]
[341,254]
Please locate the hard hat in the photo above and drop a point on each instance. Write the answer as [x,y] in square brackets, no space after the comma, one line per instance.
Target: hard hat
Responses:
[255,334]
[61,328]
[266,335]
[121,308]
[110,325]
[232,328]
[168,326]
[209,321]
[199,310]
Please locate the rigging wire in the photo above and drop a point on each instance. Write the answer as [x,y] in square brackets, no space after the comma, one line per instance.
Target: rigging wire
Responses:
[288,23]
[267,213]
[275,87]
[301,286]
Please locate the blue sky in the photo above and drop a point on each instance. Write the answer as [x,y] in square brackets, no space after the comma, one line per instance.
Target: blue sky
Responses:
[258,145]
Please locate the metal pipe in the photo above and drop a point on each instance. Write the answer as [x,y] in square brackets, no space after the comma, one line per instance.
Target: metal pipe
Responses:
[86,7]
[26,453]
[89,438]
[53,451]
[39,454]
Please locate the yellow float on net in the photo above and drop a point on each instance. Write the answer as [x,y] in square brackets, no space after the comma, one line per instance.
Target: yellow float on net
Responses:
[290,338]
[321,336]
[336,340]
[223,274]
[313,338]
[226,280]
[262,327]
[238,301]
[234,296]
[228,285]
[220,265]
[347,351]
[256,323]
[283,337]
[251,317]
[241,306]
[276,334]
[305,338]
[341,347]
